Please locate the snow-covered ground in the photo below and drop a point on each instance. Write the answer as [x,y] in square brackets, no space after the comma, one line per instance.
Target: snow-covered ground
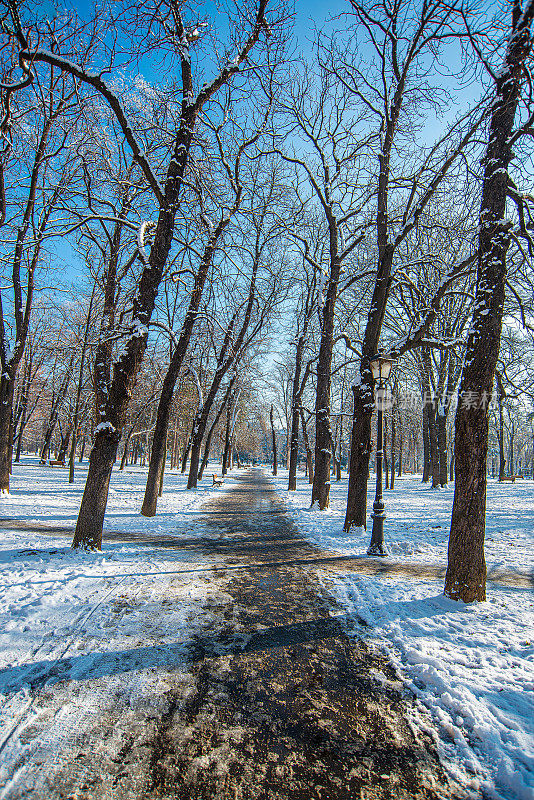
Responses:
[471,666]
[122,616]
[126,616]
[43,495]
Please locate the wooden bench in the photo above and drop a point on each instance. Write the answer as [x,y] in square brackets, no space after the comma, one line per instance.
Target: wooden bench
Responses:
[519,477]
[507,479]
[216,480]
[56,463]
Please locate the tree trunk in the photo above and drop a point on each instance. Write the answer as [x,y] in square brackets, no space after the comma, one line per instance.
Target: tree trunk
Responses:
[226,453]
[393,454]
[185,454]
[385,450]
[162,419]
[157,455]
[89,527]
[434,447]
[360,453]
[293,449]
[441,424]
[502,460]
[466,571]
[7,391]
[65,439]
[124,458]
[427,459]
[401,447]
[273,434]
[194,461]
[160,489]
[364,391]
[309,454]
[511,456]
[323,430]
[207,445]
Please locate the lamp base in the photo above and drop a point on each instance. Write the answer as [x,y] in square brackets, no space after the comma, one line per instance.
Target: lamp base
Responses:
[376,546]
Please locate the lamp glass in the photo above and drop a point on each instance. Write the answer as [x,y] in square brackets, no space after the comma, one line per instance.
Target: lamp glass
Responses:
[375,368]
[381,367]
[385,367]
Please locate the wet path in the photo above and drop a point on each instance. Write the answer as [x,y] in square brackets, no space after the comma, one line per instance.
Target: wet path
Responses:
[286,703]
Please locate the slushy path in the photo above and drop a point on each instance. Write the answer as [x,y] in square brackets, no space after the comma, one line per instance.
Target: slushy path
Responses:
[287,705]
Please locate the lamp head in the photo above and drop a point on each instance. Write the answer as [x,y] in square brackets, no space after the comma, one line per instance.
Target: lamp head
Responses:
[381,367]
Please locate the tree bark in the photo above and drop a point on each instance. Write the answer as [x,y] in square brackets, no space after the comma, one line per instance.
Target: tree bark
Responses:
[511,456]
[226,453]
[90,522]
[7,391]
[393,445]
[155,468]
[434,447]
[273,434]
[293,449]
[466,571]
[323,430]
[207,444]
[160,490]
[228,354]
[360,454]
[427,460]
[441,425]
[385,450]
[309,454]
[65,439]
[401,447]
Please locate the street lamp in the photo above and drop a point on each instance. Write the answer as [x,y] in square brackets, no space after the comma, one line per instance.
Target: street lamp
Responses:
[380,368]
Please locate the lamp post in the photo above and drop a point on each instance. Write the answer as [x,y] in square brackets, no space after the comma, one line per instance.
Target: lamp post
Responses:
[380,368]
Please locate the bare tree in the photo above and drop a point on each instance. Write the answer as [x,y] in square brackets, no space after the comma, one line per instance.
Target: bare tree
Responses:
[466,572]
[407,47]
[41,167]
[177,36]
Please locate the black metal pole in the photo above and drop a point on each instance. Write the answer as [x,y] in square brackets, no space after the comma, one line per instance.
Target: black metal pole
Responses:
[376,547]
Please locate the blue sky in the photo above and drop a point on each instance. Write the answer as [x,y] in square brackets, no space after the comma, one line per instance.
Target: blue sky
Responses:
[309,14]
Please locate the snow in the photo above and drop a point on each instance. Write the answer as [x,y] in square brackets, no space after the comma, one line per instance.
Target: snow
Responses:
[89,634]
[144,229]
[42,495]
[85,632]
[105,426]
[471,667]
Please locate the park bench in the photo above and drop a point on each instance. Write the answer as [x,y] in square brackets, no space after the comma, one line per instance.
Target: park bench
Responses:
[52,463]
[217,481]
[507,479]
